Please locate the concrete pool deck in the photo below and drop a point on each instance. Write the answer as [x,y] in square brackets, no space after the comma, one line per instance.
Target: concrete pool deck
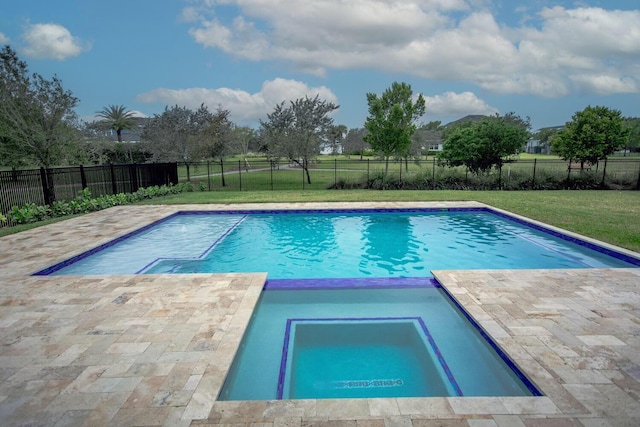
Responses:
[154,349]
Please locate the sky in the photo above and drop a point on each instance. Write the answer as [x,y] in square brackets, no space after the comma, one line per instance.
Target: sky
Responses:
[536,58]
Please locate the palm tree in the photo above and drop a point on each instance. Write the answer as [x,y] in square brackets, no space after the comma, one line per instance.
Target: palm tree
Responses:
[118,118]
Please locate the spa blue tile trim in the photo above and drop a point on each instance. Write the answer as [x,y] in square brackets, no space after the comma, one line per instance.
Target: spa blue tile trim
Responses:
[287,336]
[533,389]
[350,283]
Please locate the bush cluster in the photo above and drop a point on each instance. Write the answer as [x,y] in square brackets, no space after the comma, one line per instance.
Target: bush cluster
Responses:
[456,179]
[85,203]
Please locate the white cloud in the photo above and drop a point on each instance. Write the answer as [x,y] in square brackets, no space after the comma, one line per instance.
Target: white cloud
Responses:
[451,104]
[245,107]
[605,84]
[4,39]
[434,39]
[51,41]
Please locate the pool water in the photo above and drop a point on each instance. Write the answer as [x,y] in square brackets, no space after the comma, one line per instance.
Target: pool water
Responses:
[405,340]
[350,308]
[325,245]
[352,358]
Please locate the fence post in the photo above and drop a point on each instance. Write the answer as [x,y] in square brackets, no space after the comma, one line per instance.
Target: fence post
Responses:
[368,170]
[209,174]
[335,172]
[83,177]
[45,187]
[638,182]
[271,165]
[400,180]
[240,174]
[114,185]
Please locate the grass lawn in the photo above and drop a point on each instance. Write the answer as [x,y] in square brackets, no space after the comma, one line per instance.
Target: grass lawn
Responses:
[610,216]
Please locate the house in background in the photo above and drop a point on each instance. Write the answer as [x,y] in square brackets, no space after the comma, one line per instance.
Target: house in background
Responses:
[538,145]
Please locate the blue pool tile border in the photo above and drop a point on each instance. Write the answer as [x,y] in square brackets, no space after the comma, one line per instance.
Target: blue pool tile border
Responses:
[610,252]
[533,389]
[597,248]
[287,336]
[59,266]
[350,283]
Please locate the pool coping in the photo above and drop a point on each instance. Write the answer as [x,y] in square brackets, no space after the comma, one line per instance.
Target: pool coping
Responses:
[573,332]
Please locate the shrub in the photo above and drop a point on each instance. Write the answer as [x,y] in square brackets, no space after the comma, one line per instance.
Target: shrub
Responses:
[29,213]
[85,203]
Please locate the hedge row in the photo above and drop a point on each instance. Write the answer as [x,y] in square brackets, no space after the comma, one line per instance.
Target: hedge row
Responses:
[452,179]
[85,203]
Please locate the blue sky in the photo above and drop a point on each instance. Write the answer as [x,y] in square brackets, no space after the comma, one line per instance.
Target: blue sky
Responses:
[537,58]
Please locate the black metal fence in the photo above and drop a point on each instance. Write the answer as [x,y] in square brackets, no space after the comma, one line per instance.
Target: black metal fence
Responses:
[44,186]
[256,175]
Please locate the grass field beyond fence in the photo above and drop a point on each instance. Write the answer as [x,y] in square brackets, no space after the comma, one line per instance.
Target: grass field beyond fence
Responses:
[324,173]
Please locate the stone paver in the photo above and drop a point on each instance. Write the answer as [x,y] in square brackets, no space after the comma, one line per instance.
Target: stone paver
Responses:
[122,350]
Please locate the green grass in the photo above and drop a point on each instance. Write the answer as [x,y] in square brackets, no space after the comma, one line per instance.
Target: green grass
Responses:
[609,216]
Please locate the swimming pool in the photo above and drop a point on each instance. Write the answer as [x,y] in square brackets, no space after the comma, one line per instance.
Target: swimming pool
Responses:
[304,250]
[329,244]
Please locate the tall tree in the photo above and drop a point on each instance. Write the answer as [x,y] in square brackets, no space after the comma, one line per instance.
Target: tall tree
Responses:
[212,141]
[391,120]
[482,145]
[37,118]
[171,136]
[118,118]
[593,134]
[296,132]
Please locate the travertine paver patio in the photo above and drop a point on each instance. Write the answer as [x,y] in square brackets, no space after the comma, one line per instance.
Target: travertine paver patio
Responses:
[154,349]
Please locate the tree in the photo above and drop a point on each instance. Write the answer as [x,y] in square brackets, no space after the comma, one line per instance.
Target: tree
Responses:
[297,132]
[593,134]
[212,141]
[37,118]
[118,118]
[172,135]
[633,125]
[354,142]
[337,134]
[391,120]
[482,145]
[242,138]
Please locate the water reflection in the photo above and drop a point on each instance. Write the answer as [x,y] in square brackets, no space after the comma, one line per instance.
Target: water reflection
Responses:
[388,243]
